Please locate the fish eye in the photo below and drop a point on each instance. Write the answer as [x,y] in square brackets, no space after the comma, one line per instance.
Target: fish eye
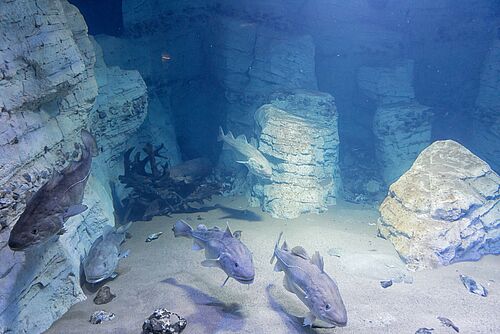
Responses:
[328,307]
[34,231]
[236,264]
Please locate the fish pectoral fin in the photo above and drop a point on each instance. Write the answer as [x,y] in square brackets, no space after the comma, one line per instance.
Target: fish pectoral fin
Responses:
[288,285]
[196,247]
[210,263]
[278,267]
[309,319]
[75,210]
[242,162]
[124,254]
[62,231]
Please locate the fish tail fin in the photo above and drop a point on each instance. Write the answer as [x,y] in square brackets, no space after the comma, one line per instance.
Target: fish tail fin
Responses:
[182,229]
[220,137]
[276,247]
[89,143]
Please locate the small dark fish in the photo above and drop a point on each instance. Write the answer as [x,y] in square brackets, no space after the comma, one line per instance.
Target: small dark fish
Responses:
[473,286]
[223,250]
[424,330]
[56,201]
[447,322]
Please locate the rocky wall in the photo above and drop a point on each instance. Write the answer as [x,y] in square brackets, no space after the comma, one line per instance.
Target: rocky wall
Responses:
[486,122]
[402,126]
[48,92]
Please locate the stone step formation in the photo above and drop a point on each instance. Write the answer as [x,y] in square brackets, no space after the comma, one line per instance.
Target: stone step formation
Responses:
[298,133]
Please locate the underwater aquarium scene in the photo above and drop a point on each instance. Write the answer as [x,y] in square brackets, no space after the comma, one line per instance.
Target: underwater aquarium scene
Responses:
[249,166]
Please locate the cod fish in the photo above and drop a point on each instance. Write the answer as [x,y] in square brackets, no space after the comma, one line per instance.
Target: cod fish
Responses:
[256,163]
[104,254]
[57,200]
[223,250]
[306,278]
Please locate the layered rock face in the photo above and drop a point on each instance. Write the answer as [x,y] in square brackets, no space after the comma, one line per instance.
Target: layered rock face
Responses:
[402,126]
[445,209]
[486,123]
[298,133]
[48,92]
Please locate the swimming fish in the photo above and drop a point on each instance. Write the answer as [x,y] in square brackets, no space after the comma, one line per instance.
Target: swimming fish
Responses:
[448,323]
[104,254]
[306,278]
[223,250]
[256,163]
[57,200]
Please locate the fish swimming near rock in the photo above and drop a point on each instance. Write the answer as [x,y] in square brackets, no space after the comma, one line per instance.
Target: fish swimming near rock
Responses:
[104,254]
[57,200]
[255,161]
[305,277]
[223,249]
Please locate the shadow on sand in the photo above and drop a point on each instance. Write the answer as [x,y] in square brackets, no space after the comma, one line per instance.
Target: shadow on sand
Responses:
[293,323]
[238,214]
[212,314]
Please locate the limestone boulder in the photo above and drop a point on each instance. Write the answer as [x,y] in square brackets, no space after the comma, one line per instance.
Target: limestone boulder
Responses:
[445,209]
[297,132]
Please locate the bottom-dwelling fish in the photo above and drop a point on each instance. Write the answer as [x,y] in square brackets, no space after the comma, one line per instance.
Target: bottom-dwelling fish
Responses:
[223,250]
[306,278]
[104,255]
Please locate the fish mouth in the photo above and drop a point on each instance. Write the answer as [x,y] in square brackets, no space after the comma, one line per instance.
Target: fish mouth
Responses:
[244,280]
[95,280]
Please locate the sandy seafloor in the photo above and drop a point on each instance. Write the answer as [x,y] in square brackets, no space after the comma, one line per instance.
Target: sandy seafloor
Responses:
[167,273]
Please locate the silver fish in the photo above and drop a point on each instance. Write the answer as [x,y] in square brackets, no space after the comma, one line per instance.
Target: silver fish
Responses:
[57,200]
[223,250]
[104,254]
[153,236]
[306,278]
[255,161]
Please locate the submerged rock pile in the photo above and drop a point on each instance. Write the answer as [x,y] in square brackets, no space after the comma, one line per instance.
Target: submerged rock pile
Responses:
[163,321]
[298,133]
[445,209]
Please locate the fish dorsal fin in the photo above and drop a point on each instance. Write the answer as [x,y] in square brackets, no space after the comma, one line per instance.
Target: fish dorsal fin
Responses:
[317,259]
[253,142]
[229,134]
[227,232]
[242,138]
[300,252]
[284,246]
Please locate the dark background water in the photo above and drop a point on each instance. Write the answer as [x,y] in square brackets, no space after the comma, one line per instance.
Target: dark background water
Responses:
[446,41]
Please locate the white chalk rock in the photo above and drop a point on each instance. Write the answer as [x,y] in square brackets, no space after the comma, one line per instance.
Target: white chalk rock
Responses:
[445,209]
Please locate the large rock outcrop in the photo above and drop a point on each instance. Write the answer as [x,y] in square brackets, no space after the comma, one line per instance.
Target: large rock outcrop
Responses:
[402,126]
[445,209]
[298,133]
[48,92]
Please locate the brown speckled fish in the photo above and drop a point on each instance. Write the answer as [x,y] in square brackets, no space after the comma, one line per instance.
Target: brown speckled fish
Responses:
[57,200]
